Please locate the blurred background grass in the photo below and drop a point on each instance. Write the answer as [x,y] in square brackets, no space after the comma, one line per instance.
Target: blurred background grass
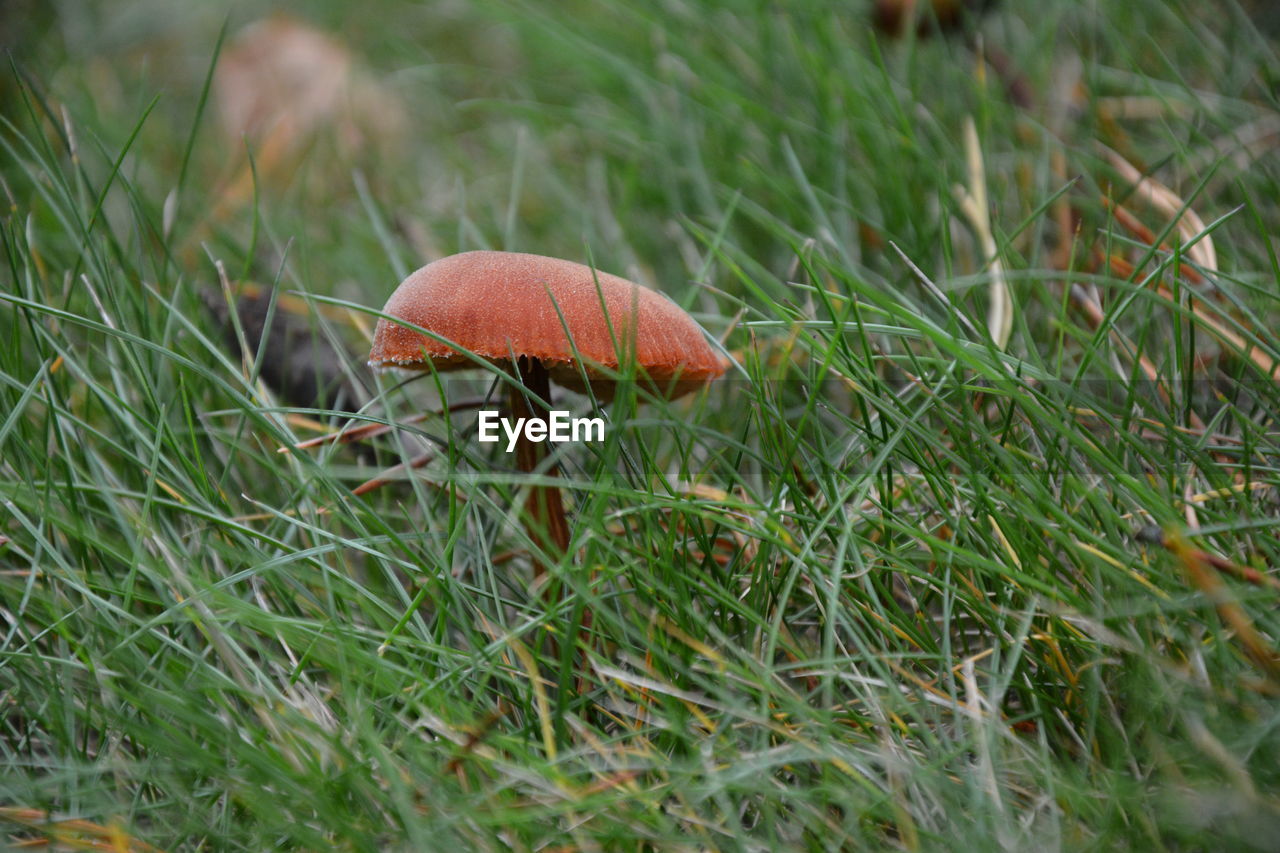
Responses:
[890,584]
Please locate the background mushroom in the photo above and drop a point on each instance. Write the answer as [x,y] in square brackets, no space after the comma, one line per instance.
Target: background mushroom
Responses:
[543,319]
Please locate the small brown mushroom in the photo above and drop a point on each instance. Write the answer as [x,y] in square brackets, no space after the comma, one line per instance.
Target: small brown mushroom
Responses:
[542,319]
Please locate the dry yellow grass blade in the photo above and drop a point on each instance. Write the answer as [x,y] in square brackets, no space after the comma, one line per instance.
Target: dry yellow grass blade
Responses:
[1205,497]
[1191,228]
[1142,108]
[1210,319]
[975,207]
[1184,551]
[1087,302]
[1200,571]
[346,434]
[349,433]
[71,833]
[390,475]
[672,630]
[1137,228]
[1268,365]
[541,702]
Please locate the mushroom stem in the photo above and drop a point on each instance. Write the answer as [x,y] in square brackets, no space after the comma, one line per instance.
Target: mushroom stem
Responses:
[544,511]
[545,520]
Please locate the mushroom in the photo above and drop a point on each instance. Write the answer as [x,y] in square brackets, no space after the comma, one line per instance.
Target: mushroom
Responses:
[545,319]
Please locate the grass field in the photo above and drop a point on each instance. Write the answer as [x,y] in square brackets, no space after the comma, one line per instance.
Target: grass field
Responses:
[975,547]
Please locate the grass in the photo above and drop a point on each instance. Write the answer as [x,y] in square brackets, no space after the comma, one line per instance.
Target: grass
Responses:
[887,585]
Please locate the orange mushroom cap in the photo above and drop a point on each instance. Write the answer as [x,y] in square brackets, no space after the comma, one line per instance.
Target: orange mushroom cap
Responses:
[503,304]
